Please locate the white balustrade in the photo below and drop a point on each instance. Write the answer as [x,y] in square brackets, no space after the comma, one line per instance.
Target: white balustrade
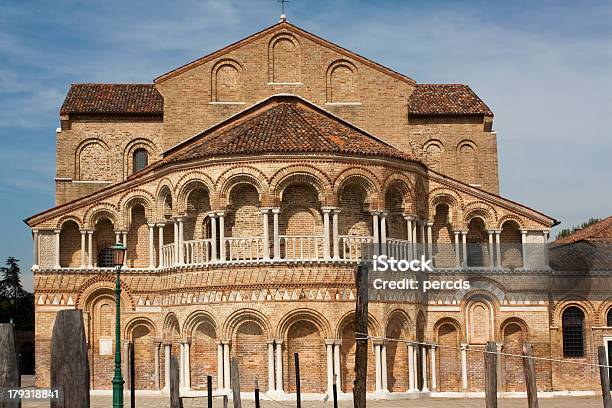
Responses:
[351,246]
[399,248]
[168,255]
[197,252]
[244,249]
[301,247]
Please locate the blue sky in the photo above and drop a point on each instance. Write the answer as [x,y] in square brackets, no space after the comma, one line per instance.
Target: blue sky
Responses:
[545,68]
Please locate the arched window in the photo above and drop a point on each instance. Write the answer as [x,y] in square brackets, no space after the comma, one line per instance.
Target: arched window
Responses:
[573,332]
[609,318]
[141,159]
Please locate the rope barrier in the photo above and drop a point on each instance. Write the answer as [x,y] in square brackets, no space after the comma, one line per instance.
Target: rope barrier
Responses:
[553,360]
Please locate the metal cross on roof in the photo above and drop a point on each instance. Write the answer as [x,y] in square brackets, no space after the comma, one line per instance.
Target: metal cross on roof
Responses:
[282,2]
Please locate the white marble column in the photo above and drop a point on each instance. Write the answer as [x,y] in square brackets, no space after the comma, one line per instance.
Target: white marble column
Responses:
[117,237]
[187,372]
[430,253]
[271,384]
[279,365]
[213,236]
[434,380]
[35,243]
[377,366]
[125,244]
[424,242]
[545,233]
[181,366]
[220,360]
[266,233]
[383,232]
[457,249]
[415,238]
[176,242]
[524,249]
[181,253]
[375,225]
[337,369]
[411,369]
[335,238]
[275,213]
[160,244]
[156,345]
[424,368]
[83,249]
[226,365]
[326,212]
[498,260]
[221,216]
[491,249]
[383,366]
[167,354]
[151,246]
[464,242]
[90,249]
[464,372]
[329,349]
[57,249]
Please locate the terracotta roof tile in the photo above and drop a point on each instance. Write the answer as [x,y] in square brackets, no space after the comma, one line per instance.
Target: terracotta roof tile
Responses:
[600,232]
[283,124]
[113,98]
[446,99]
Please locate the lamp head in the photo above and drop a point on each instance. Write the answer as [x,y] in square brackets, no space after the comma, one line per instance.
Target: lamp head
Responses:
[118,254]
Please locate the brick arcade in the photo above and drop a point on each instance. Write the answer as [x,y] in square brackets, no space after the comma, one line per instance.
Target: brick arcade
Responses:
[244,184]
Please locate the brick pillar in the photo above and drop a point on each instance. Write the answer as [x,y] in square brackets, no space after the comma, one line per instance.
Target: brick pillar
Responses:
[156,345]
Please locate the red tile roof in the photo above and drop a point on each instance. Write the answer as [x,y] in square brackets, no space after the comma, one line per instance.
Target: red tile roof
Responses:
[282,124]
[600,232]
[113,99]
[446,99]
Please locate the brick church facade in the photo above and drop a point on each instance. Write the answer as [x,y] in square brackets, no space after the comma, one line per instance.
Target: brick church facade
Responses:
[244,185]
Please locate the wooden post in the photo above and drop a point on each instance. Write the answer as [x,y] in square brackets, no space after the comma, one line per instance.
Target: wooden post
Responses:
[235,382]
[604,376]
[298,394]
[175,398]
[361,326]
[256,394]
[9,372]
[69,360]
[132,377]
[491,375]
[209,390]
[530,376]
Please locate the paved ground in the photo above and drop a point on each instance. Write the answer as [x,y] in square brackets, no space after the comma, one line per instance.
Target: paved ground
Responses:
[146,402]
[98,401]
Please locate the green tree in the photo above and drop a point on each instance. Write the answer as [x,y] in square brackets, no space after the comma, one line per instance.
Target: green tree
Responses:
[566,232]
[11,290]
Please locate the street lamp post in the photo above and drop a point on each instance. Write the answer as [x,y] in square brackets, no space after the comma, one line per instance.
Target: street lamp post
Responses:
[118,258]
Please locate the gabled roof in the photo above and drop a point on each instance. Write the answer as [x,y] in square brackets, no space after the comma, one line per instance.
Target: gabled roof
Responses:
[113,99]
[281,124]
[600,232]
[277,27]
[446,99]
